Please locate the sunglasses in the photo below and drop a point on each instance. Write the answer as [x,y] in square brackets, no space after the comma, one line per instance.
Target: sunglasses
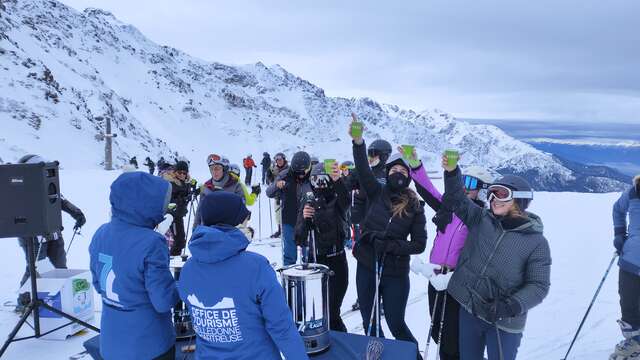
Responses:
[503,193]
[320,181]
[182,172]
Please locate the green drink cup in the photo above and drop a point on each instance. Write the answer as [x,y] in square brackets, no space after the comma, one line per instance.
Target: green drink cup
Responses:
[356,129]
[407,151]
[452,157]
[328,166]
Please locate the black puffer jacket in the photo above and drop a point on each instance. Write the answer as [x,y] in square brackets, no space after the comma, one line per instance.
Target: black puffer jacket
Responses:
[379,223]
[360,206]
[328,222]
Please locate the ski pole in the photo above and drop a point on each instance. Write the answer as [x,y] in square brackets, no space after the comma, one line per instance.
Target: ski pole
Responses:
[270,216]
[375,300]
[259,216]
[444,306]
[433,313]
[615,255]
[75,231]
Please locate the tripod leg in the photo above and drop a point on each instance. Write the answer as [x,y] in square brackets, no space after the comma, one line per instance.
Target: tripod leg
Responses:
[67,316]
[16,328]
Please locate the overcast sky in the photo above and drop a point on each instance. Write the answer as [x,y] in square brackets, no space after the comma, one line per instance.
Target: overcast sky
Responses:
[537,59]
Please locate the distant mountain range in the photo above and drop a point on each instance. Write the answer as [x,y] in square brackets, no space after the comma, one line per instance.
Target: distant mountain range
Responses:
[65,72]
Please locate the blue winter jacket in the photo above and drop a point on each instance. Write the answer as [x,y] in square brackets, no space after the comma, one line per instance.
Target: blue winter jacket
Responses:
[237,306]
[629,203]
[130,268]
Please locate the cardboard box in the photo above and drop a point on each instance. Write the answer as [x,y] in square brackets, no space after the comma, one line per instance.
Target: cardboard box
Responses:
[69,290]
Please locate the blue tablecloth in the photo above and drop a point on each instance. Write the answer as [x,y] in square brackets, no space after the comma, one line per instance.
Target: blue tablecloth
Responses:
[343,346]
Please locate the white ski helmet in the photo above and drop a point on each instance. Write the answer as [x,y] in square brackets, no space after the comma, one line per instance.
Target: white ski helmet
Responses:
[234,169]
[479,173]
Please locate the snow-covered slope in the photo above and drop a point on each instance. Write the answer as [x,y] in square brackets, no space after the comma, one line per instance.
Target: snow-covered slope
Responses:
[62,73]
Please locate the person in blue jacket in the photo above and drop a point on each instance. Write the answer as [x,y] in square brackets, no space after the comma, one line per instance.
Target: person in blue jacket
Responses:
[627,244]
[237,306]
[130,267]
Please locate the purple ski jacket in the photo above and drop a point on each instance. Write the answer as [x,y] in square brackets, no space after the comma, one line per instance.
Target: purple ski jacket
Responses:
[448,245]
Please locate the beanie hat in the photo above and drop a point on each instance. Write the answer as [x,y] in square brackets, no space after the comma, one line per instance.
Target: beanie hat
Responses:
[223,208]
[182,166]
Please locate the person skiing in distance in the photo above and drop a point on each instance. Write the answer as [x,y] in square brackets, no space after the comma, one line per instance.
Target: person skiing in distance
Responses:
[394,214]
[133,162]
[280,165]
[449,240]
[503,270]
[161,162]
[248,164]
[249,197]
[49,246]
[220,181]
[151,165]
[180,193]
[627,244]
[129,264]
[377,153]
[266,164]
[289,187]
[246,290]
[325,215]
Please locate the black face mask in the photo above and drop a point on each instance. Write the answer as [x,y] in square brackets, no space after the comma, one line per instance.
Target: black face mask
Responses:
[397,181]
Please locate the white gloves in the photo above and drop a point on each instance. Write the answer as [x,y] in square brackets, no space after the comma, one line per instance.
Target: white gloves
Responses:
[165,224]
[441,281]
[420,267]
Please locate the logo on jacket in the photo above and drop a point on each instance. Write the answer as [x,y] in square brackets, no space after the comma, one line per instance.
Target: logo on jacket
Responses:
[217,323]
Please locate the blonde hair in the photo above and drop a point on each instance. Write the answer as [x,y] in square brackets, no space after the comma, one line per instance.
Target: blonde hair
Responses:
[401,204]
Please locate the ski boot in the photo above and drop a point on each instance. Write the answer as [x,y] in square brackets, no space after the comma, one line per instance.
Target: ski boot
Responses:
[629,348]
[23,300]
[276,234]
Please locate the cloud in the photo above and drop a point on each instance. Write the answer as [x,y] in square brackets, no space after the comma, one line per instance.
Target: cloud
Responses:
[494,57]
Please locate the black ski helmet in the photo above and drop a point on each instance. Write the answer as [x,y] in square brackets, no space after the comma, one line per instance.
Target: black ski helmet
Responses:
[382,148]
[266,154]
[300,162]
[517,183]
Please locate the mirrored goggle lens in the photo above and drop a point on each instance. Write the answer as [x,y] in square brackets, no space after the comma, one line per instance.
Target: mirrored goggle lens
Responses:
[500,192]
[470,182]
[213,159]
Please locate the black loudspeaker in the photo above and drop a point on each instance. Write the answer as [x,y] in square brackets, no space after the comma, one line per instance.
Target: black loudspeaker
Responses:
[31,203]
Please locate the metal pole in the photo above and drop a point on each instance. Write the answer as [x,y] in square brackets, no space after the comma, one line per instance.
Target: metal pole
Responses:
[615,255]
[108,159]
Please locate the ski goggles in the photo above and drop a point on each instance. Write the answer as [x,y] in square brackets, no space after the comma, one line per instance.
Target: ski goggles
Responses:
[472,182]
[215,159]
[320,181]
[504,193]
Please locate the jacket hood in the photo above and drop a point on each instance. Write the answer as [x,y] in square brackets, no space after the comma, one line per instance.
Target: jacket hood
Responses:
[139,198]
[213,244]
[534,225]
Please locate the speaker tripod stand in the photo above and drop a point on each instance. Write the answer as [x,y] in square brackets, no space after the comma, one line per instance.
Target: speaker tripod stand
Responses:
[34,307]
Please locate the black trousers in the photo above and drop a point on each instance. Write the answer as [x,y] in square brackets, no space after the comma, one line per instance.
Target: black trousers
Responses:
[52,249]
[629,291]
[450,329]
[338,284]
[248,173]
[179,240]
[395,293]
[265,171]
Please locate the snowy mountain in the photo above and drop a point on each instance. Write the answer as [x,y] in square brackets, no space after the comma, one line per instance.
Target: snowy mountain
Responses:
[62,73]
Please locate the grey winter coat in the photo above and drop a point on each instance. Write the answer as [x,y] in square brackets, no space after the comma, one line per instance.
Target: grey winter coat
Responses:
[497,264]
[629,204]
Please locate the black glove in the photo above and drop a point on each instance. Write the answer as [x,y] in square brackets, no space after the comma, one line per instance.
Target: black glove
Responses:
[502,309]
[80,221]
[442,219]
[255,189]
[620,238]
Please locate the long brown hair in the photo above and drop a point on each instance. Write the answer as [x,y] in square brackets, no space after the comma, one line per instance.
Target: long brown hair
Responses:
[404,201]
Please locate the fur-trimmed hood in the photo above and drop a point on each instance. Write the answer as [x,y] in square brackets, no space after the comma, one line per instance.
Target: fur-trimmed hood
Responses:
[636,180]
